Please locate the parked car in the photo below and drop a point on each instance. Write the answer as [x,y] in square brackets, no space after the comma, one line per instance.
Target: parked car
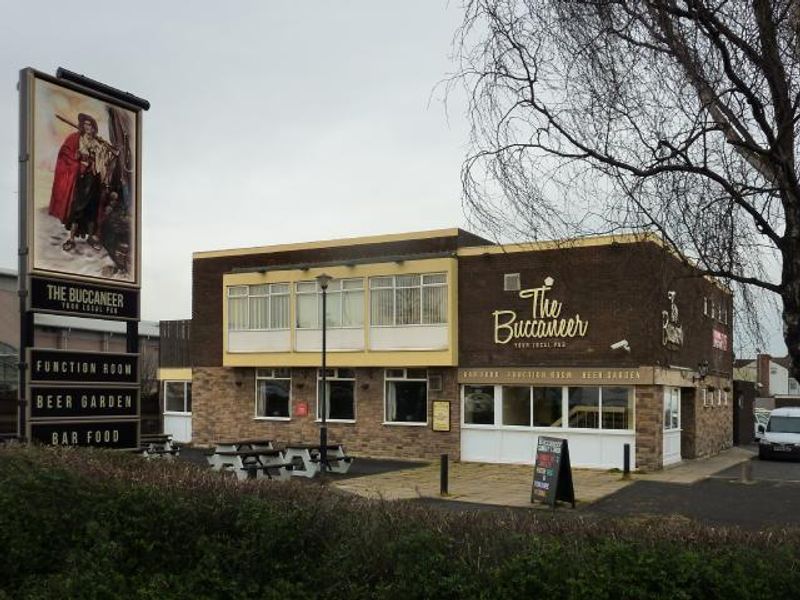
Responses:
[760,417]
[780,438]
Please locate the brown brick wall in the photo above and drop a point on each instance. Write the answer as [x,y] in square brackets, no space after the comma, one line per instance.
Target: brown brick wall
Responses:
[649,428]
[223,401]
[713,425]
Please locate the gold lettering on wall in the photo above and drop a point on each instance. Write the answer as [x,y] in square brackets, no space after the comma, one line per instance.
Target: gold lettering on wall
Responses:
[545,321]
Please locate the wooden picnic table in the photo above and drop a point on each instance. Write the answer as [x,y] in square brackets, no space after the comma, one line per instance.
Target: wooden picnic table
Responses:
[249,459]
[307,460]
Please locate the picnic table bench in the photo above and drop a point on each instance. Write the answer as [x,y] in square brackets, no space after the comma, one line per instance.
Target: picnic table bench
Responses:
[249,459]
[307,459]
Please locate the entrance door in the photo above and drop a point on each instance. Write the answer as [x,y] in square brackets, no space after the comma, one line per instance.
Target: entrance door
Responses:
[672,425]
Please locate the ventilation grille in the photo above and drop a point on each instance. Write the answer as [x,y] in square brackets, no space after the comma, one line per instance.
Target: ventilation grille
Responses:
[511,282]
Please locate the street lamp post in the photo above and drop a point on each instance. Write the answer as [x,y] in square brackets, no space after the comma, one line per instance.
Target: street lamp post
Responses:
[323,280]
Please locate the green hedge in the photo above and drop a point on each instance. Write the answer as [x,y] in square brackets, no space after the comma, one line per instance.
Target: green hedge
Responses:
[94,524]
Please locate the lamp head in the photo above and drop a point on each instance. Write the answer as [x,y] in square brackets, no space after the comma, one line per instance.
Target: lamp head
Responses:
[323,280]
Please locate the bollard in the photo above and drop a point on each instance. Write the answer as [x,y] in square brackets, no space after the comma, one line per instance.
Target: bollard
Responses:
[626,461]
[443,476]
[747,472]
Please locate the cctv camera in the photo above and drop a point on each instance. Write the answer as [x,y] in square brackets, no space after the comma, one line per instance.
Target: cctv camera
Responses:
[621,345]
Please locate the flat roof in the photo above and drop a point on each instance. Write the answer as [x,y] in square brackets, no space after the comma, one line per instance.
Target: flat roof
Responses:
[333,243]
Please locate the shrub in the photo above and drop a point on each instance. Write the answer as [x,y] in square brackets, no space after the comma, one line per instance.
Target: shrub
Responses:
[99,524]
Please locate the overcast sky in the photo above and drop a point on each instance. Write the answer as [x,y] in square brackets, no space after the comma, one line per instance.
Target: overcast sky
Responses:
[271,122]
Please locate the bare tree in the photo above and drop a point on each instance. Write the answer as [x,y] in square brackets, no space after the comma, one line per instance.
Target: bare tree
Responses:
[675,116]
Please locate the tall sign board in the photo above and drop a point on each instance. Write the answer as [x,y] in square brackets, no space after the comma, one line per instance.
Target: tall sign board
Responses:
[80,254]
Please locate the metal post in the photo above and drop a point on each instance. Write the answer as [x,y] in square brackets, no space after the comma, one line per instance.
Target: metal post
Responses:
[323,430]
[26,334]
[626,461]
[443,476]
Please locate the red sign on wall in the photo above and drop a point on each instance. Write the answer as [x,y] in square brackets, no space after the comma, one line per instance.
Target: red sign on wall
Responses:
[301,409]
[720,340]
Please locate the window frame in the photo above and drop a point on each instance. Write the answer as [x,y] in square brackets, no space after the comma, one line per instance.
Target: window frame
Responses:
[421,286]
[387,379]
[668,391]
[272,377]
[564,427]
[186,396]
[269,295]
[335,377]
[340,291]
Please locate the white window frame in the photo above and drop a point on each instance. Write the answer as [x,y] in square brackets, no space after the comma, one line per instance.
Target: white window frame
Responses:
[405,377]
[185,383]
[271,377]
[668,392]
[498,410]
[336,376]
[421,286]
[270,294]
[336,287]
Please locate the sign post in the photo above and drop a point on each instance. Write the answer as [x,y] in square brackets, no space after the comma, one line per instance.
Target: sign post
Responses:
[552,473]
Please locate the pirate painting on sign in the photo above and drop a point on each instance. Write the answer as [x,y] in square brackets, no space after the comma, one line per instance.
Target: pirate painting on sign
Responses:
[82,180]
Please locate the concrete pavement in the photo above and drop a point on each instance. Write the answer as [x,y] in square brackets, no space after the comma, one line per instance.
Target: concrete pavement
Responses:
[510,485]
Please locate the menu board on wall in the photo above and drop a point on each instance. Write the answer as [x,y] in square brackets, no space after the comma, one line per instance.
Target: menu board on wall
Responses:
[552,473]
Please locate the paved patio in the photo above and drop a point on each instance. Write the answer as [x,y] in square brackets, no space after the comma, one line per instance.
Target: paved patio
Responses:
[510,485]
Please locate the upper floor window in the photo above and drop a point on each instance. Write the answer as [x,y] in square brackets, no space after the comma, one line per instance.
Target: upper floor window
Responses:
[344,304]
[258,307]
[398,300]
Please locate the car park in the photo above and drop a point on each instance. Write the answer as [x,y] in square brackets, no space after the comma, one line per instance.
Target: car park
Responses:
[780,438]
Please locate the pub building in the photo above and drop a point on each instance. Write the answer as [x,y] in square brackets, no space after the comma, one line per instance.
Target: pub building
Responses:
[444,342]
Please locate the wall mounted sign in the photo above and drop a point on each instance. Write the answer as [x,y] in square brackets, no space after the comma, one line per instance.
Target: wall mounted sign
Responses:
[672,332]
[50,401]
[70,366]
[545,322]
[441,415]
[719,340]
[552,473]
[106,434]
[65,297]
[558,376]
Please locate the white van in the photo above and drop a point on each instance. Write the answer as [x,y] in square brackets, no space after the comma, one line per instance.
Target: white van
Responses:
[781,436]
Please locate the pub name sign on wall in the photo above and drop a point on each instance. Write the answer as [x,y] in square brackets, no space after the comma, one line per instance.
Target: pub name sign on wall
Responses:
[545,325]
[80,254]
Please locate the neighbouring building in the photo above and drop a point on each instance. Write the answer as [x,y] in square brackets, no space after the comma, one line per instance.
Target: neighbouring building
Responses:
[775,387]
[443,342]
[71,333]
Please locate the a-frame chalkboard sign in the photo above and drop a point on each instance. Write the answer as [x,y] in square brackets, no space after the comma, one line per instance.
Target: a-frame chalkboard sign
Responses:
[552,473]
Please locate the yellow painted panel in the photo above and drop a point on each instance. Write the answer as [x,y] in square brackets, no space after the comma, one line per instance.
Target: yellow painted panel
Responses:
[413,358]
[174,374]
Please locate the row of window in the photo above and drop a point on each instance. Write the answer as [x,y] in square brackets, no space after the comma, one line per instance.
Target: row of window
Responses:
[714,398]
[531,406]
[405,394]
[395,300]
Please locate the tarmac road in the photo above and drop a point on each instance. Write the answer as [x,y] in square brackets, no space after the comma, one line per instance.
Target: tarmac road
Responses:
[770,499]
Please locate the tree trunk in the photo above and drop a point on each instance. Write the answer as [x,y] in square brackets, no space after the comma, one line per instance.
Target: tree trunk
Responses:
[791,301]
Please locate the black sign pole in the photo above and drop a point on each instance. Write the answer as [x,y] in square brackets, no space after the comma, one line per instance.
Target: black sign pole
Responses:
[25,317]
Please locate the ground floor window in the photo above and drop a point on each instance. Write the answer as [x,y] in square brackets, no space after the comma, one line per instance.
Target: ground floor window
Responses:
[178,396]
[406,396]
[546,406]
[672,408]
[340,394]
[273,393]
